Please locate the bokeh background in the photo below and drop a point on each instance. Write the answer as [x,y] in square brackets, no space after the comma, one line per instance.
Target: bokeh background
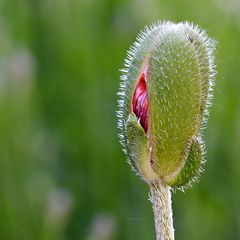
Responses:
[62,172]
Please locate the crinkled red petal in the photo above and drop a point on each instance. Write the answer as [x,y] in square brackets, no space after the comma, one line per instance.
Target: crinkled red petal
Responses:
[140,101]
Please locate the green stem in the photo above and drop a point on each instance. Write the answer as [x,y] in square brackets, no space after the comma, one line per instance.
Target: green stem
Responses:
[162,208]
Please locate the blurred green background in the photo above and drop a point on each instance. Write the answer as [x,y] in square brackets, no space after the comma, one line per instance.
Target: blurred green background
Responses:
[62,172]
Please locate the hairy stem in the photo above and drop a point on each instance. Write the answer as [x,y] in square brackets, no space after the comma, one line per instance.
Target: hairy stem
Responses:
[162,208]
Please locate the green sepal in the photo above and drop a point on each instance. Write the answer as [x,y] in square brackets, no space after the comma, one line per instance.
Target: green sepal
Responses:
[201,45]
[138,147]
[190,168]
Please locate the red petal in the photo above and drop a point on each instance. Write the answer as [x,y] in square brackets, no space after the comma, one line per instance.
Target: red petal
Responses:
[140,101]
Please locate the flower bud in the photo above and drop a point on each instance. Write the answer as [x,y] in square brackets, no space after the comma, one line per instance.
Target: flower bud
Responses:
[165,92]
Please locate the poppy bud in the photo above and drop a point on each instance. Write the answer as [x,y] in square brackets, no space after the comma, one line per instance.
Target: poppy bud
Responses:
[165,92]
